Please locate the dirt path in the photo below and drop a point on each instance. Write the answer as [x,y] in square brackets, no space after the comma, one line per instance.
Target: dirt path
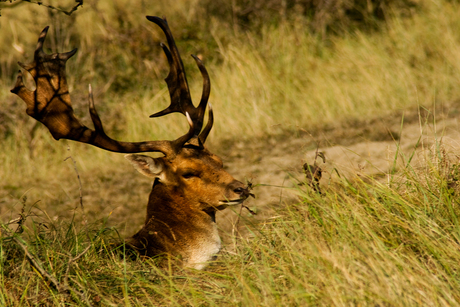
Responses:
[366,148]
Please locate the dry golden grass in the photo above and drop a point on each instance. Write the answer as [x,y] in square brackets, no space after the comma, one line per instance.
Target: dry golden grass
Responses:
[359,244]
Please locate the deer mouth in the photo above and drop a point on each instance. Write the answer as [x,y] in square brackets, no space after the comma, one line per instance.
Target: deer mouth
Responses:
[232,202]
[244,194]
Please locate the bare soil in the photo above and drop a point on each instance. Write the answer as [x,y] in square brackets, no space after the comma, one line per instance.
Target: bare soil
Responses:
[358,149]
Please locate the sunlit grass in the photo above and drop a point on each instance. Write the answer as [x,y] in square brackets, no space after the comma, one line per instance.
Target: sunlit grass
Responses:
[360,243]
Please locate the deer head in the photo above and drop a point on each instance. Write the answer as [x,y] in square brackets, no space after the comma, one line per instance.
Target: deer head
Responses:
[189,182]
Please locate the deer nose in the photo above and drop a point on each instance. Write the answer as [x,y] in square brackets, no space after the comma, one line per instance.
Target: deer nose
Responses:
[239,190]
[237,187]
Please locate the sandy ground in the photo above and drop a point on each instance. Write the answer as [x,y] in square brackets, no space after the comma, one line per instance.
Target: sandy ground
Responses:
[367,149]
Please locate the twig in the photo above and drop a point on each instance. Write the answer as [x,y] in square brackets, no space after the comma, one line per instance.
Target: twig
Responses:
[79,182]
[68,13]
[313,172]
[35,263]
[238,219]
[246,194]
[60,287]
[22,217]
[71,261]
[20,220]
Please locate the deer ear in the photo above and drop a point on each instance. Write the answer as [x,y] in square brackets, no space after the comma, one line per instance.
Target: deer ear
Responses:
[146,165]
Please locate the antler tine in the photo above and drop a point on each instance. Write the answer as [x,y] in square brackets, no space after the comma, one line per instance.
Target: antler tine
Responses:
[204,134]
[204,100]
[206,84]
[180,142]
[206,88]
[93,112]
[50,104]
[40,54]
[177,82]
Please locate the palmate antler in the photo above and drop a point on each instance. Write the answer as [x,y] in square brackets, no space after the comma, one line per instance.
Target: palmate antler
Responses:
[50,103]
[178,86]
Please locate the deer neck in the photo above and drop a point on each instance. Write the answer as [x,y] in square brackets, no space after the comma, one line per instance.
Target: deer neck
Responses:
[184,229]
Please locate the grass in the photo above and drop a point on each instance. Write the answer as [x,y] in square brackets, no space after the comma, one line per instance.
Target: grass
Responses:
[357,244]
[360,243]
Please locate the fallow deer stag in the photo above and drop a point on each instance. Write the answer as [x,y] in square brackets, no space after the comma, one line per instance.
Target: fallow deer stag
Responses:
[189,182]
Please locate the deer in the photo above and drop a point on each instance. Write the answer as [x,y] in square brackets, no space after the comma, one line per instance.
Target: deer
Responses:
[190,183]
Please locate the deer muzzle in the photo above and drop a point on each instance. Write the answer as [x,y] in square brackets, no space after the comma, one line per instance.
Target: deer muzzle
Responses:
[238,190]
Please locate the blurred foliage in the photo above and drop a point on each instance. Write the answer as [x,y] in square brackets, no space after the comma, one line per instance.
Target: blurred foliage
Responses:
[119,50]
[324,17]
[117,25]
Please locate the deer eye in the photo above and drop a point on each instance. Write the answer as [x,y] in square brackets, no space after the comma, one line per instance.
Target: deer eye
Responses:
[190,174]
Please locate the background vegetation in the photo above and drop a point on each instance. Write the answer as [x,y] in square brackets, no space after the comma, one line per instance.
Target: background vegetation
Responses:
[277,68]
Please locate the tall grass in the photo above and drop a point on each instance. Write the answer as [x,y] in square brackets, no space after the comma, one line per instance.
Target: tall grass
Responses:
[278,80]
[360,243]
[356,244]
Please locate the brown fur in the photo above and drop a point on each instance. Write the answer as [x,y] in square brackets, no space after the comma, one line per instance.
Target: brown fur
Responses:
[181,211]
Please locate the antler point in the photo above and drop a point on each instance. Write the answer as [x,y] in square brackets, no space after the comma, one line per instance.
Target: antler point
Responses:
[189,119]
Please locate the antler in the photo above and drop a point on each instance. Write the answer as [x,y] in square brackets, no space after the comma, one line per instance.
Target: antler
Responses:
[178,87]
[50,103]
